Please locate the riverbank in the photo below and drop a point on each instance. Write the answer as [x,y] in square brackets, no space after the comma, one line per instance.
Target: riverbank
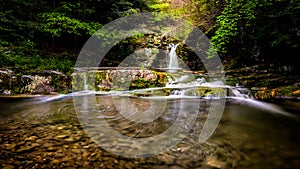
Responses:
[267,83]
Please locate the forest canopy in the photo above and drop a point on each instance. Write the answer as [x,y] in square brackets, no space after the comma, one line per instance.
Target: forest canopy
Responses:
[38,34]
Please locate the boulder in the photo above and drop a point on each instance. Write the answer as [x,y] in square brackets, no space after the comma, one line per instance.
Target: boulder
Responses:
[8,81]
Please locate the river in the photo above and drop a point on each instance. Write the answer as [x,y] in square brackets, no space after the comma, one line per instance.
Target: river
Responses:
[39,134]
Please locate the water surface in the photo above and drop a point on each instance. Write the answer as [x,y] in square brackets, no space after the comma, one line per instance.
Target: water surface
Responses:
[37,134]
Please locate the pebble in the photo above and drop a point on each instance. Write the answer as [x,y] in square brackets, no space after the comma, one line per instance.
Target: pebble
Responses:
[168,159]
[86,147]
[60,128]
[176,167]
[25,149]
[76,151]
[8,166]
[31,138]
[69,139]
[85,154]
[55,161]
[35,145]
[61,136]
[67,146]
[46,145]
[212,161]
[10,146]
[52,148]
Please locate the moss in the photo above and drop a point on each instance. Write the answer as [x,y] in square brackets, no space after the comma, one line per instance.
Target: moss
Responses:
[159,92]
[161,78]
[288,91]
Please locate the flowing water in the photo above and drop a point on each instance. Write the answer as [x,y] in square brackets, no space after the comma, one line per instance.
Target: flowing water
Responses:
[45,132]
[173,62]
[82,129]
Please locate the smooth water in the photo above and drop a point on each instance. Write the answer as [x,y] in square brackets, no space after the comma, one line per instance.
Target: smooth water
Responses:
[47,134]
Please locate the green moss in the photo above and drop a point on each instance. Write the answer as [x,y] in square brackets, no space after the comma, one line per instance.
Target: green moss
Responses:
[159,92]
[288,91]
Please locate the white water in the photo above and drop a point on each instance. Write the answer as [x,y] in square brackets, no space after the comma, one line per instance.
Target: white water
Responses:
[184,87]
[173,62]
[85,86]
[261,105]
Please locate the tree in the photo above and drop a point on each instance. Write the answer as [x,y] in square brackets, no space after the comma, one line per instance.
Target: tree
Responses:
[35,32]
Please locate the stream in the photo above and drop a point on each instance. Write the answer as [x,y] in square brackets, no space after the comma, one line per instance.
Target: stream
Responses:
[187,124]
[47,134]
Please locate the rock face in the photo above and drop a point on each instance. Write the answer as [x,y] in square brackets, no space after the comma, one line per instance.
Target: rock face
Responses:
[105,80]
[49,82]
[45,82]
[8,81]
[129,78]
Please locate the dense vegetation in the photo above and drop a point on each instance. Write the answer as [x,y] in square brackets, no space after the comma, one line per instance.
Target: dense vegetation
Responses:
[38,35]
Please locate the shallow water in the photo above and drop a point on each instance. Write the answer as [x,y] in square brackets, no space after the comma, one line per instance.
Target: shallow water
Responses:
[37,134]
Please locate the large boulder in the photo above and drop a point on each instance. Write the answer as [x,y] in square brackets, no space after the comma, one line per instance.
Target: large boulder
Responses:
[105,80]
[46,82]
[8,81]
[36,84]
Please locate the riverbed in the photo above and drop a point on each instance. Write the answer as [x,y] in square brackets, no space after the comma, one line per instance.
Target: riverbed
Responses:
[39,134]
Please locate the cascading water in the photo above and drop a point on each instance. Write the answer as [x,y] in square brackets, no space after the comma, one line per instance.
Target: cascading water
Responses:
[173,62]
[186,99]
[183,86]
[187,86]
[85,86]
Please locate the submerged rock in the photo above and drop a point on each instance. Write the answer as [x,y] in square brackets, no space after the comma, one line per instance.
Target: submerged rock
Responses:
[213,161]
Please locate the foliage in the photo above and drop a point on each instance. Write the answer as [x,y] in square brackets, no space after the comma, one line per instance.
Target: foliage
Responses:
[247,31]
[57,24]
[37,35]
[25,59]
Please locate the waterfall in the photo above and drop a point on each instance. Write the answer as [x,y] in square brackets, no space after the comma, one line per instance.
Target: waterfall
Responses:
[173,62]
[85,86]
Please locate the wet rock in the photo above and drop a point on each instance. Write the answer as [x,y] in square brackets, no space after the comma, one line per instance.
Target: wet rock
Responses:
[61,136]
[168,159]
[52,148]
[69,139]
[7,166]
[38,85]
[6,92]
[26,149]
[46,145]
[60,128]
[35,145]
[8,81]
[119,79]
[31,138]
[55,161]
[213,161]
[26,81]
[61,81]
[297,92]
[46,82]
[176,167]
[85,154]
[86,147]
[43,89]
[76,151]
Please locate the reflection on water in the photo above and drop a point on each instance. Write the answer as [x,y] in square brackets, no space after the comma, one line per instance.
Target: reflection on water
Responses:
[36,134]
